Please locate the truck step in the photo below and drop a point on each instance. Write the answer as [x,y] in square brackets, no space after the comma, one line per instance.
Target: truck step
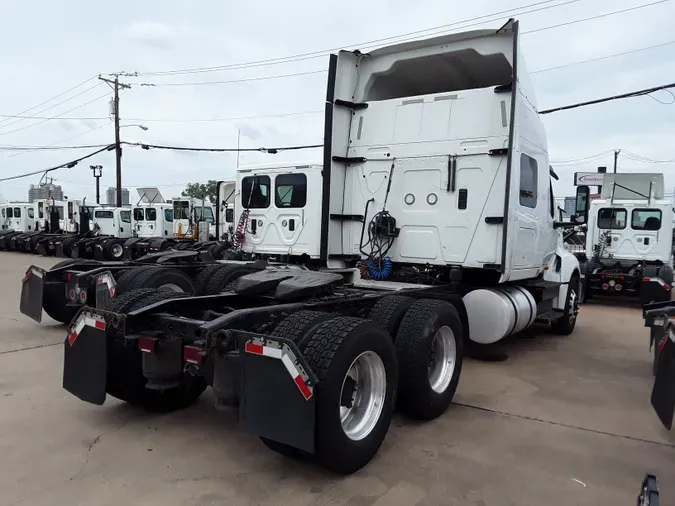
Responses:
[540,283]
[549,316]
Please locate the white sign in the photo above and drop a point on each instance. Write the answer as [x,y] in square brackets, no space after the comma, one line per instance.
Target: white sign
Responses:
[588,179]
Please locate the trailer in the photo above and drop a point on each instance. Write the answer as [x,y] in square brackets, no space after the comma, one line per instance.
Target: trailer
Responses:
[367,291]
[629,239]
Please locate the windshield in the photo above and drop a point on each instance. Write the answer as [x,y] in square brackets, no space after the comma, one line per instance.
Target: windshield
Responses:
[207,216]
[181,210]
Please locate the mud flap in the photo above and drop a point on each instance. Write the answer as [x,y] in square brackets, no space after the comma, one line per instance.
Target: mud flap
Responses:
[105,289]
[663,393]
[85,358]
[276,391]
[32,291]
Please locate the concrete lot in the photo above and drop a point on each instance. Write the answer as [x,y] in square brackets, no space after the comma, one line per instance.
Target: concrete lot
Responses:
[563,421]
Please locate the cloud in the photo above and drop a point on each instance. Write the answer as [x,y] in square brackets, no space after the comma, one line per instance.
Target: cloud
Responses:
[47,60]
[150,33]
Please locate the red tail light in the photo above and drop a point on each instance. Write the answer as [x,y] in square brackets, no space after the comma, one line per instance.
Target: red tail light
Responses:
[193,354]
[71,294]
[147,344]
[618,288]
[83,296]
[602,276]
[621,278]
[605,286]
[646,279]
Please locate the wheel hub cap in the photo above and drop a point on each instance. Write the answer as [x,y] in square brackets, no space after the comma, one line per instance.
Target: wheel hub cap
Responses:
[362,395]
[443,359]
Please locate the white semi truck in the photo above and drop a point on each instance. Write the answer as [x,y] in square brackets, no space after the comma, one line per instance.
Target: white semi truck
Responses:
[430,222]
[629,239]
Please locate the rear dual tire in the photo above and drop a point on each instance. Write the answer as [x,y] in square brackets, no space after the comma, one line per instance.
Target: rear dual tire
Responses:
[355,363]
[425,376]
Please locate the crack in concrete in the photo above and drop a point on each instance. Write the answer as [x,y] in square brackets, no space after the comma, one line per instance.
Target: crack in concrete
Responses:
[568,426]
[31,348]
[77,474]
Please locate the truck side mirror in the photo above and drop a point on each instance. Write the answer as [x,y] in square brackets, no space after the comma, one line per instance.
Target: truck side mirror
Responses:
[582,203]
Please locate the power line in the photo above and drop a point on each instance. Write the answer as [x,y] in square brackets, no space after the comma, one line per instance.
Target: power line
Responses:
[49,148]
[437,30]
[52,106]
[224,150]
[189,120]
[67,165]
[324,52]
[614,55]
[263,78]
[598,16]
[53,117]
[640,158]
[632,94]
[54,97]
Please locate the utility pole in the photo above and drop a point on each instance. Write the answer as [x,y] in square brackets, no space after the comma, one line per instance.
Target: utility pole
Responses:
[616,158]
[116,85]
[97,170]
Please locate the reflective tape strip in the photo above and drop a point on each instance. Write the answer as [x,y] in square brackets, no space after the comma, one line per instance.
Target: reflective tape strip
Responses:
[656,280]
[88,321]
[288,359]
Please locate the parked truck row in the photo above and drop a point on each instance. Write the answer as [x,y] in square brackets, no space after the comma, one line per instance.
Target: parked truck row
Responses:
[75,229]
[357,281]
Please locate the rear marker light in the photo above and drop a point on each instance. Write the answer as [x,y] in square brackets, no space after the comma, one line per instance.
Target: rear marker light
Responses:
[666,287]
[84,321]
[193,355]
[288,359]
[147,344]
[646,279]
[621,278]
[602,276]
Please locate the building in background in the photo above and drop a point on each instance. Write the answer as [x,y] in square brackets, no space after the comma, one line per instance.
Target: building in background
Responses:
[46,191]
[111,196]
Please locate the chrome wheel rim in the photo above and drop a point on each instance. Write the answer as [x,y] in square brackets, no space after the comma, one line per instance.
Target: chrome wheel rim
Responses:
[443,359]
[170,287]
[362,395]
[116,251]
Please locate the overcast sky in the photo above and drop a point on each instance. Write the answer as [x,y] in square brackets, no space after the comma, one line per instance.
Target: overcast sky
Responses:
[49,47]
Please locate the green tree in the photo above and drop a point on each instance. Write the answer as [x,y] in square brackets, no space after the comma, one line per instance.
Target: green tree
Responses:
[202,190]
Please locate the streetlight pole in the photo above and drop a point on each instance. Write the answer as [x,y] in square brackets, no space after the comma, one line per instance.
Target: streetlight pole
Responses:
[97,170]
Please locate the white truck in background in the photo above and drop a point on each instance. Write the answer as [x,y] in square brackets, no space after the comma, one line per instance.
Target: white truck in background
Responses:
[629,239]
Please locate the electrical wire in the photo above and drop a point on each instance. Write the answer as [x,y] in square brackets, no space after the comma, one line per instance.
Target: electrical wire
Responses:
[600,58]
[53,106]
[22,150]
[49,148]
[53,98]
[632,94]
[598,16]
[54,117]
[437,30]
[223,150]
[248,79]
[640,158]
[67,165]
[190,120]
[324,52]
